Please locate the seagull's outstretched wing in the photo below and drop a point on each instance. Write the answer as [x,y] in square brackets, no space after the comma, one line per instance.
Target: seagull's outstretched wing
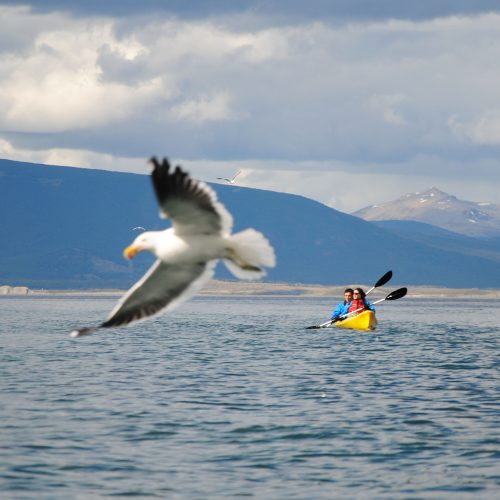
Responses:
[191,204]
[236,175]
[162,288]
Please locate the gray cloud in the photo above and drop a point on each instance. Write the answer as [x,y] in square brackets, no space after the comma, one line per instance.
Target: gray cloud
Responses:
[283,11]
[123,8]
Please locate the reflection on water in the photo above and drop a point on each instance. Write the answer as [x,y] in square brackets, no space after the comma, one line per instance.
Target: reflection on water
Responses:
[232,396]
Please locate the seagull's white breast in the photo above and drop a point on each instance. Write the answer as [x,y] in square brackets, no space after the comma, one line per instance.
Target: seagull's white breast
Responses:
[172,248]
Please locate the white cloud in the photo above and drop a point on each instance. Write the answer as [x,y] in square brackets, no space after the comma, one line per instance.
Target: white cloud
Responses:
[57,87]
[205,42]
[20,27]
[482,129]
[485,129]
[72,158]
[7,150]
[387,105]
[205,109]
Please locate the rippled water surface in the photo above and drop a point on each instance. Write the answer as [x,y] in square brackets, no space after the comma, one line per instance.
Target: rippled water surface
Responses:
[231,397]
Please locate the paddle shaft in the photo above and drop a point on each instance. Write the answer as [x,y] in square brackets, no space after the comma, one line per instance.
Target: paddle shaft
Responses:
[382,281]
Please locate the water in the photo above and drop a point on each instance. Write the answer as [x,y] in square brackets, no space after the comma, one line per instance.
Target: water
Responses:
[232,397]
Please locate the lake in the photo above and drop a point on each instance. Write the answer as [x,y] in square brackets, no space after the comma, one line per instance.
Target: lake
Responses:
[232,396]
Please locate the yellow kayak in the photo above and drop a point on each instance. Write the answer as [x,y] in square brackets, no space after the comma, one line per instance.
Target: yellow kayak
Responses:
[364,321]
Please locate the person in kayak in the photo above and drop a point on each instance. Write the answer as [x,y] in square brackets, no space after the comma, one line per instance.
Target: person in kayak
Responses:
[359,302]
[342,308]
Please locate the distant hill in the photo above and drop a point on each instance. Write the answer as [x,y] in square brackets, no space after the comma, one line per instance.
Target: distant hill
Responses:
[432,236]
[66,227]
[439,209]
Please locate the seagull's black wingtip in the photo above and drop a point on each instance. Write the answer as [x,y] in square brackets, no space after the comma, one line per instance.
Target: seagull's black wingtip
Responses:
[154,163]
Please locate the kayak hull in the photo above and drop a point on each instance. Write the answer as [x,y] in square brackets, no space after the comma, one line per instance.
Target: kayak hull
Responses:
[365,321]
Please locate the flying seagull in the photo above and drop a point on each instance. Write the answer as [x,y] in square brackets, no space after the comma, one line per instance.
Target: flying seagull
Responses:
[188,251]
[230,181]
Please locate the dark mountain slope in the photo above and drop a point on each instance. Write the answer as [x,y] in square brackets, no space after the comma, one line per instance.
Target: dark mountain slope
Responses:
[432,236]
[66,228]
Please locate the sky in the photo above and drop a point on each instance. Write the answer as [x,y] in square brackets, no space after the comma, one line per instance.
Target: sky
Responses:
[348,102]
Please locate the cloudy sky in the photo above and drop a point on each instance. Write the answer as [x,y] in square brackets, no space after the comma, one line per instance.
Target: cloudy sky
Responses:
[349,102]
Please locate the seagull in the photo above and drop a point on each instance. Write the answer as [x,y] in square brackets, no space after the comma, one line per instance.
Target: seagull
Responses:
[138,228]
[230,181]
[187,252]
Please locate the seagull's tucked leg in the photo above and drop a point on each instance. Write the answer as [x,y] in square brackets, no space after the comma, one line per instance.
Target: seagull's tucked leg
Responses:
[84,331]
[247,252]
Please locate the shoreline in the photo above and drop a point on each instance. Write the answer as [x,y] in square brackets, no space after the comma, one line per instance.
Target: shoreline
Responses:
[240,288]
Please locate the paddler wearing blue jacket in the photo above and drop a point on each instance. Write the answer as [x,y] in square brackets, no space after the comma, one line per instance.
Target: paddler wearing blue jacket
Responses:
[342,308]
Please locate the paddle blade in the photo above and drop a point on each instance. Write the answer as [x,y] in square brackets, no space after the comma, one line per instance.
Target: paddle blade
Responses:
[314,327]
[397,294]
[384,279]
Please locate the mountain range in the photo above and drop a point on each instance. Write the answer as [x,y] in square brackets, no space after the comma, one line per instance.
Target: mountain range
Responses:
[66,228]
[440,209]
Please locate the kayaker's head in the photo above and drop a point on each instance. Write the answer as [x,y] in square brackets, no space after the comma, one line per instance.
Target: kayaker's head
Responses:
[359,294]
[348,295]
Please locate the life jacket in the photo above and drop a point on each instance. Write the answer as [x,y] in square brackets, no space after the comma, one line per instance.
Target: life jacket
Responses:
[357,304]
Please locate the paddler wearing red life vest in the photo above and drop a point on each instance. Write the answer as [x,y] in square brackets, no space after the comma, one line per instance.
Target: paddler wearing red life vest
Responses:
[359,302]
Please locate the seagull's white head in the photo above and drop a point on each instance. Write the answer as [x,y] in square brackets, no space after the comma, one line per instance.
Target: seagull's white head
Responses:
[145,241]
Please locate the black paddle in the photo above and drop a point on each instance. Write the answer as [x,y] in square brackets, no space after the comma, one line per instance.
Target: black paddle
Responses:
[397,294]
[382,281]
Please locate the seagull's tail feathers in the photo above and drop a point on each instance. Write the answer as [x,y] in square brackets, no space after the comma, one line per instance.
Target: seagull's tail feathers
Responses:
[248,252]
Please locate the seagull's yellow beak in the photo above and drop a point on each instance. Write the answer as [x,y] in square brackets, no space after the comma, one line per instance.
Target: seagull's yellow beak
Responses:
[131,251]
